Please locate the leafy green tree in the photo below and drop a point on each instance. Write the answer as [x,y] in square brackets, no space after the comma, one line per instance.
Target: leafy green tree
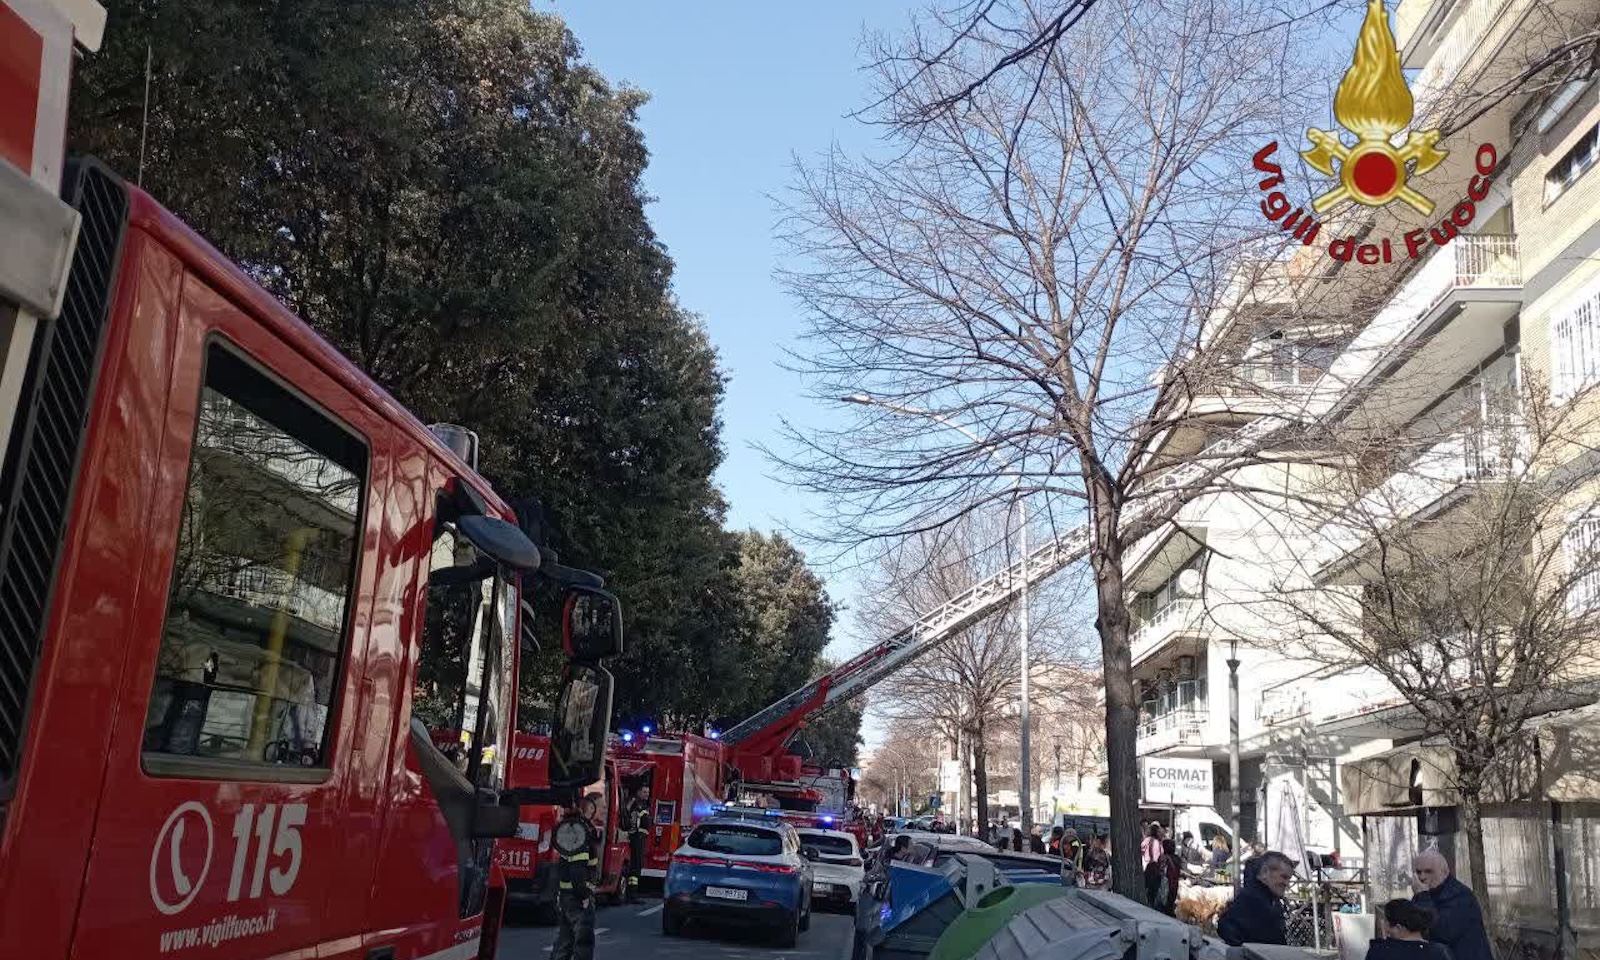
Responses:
[446,191]
[788,618]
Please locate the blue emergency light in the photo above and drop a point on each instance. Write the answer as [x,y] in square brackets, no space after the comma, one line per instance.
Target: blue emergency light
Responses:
[715,734]
[627,736]
[646,729]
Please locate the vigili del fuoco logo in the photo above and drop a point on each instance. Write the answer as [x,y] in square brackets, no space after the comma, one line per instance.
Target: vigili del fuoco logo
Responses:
[1374,105]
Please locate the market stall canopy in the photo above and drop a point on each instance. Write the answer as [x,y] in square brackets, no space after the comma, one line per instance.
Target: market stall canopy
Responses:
[1559,760]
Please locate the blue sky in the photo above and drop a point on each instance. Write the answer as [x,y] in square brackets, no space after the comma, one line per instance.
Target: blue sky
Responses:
[737,91]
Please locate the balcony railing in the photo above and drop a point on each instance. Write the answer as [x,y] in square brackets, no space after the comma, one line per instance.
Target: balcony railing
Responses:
[1491,452]
[1479,262]
[1176,616]
[271,589]
[1471,28]
[1176,728]
[1482,260]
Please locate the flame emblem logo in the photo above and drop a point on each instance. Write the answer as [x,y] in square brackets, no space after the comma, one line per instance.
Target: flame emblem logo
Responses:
[1373,103]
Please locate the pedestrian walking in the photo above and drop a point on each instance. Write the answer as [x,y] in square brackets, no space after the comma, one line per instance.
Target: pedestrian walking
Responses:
[1457,917]
[1220,855]
[1036,840]
[1150,848]
[1054,846]
[1405,929]
[637,823]
[1098,862]
[1161,879]
[1189,851]
[1256,915]
[1072,850]
[1016,839]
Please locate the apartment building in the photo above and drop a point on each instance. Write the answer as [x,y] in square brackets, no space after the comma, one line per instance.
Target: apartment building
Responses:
[1457,343]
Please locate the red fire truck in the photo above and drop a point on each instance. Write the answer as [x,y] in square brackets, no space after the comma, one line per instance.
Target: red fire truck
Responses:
[685,775]
[528,860]
[260,626]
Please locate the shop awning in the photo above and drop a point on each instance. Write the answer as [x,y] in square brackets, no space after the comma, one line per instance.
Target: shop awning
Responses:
[1564,767]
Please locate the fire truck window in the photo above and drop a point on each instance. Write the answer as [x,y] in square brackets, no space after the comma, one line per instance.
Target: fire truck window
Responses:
[465,666]
[266,557]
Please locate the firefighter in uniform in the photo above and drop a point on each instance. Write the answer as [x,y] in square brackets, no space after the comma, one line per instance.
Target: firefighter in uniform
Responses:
[638,825]
[578,844]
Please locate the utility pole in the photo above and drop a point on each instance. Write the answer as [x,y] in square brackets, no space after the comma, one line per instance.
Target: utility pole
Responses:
[1027,753]
[1233,758]
[1056,793]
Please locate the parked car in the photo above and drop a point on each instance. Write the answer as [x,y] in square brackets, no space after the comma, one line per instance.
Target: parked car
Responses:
[838,871]
[741,871]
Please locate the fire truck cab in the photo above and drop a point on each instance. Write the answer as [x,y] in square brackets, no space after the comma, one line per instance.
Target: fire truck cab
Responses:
[260,626]
[528,860]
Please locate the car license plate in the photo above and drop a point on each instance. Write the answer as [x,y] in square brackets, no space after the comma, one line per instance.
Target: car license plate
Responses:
[822,888]
[727,893]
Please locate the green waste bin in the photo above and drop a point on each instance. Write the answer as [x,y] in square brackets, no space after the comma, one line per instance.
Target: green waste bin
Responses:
[970,931]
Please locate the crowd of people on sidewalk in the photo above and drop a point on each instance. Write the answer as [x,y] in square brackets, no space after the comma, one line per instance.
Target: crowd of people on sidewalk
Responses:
[1442,921]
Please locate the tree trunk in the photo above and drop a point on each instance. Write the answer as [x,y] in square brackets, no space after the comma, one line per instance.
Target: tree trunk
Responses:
[964,757]
[1105,560]
[980,778]
[1470,783]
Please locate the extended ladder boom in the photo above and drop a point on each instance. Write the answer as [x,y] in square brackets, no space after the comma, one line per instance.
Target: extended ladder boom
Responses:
[771,727]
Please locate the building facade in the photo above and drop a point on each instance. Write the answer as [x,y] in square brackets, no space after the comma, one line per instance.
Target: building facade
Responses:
[1454,366]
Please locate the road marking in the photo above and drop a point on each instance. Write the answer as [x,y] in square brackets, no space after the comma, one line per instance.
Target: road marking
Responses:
[649,911]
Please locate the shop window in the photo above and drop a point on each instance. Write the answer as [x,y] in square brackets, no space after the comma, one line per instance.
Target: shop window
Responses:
[266,559]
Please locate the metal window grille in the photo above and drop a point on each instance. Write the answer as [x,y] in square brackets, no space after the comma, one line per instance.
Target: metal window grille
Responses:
[1575,345]
[1582,549]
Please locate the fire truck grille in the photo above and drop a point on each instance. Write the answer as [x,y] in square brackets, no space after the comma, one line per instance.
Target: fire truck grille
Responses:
[46,439]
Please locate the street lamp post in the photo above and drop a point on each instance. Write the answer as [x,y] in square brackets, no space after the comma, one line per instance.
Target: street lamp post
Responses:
[1233,753]
[1026,800]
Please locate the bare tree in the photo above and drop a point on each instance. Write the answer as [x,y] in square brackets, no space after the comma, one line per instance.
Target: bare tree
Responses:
[1457,566]
[1040,267]
[904,764]
[1028,34]
[967,688]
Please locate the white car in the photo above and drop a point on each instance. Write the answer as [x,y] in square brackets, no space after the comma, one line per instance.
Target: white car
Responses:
[837,873]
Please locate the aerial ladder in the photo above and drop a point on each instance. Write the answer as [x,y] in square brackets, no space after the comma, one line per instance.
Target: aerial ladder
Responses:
[756,745]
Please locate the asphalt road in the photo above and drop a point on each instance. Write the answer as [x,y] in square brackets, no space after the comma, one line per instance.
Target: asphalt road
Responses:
[634,933]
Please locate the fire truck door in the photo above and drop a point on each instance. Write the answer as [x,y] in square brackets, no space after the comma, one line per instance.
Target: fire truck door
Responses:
[222,822]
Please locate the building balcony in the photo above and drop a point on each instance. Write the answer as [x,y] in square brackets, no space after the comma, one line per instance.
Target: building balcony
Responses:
[1184,727]
[1452,42]
[1438,326]
[1178,618]
[1441,477]
[272,589]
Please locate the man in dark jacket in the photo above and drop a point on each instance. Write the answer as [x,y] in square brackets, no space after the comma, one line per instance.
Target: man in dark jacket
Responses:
[1256,915]
[1457,918]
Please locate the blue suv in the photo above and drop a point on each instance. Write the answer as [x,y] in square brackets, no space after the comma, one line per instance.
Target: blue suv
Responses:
[741,870]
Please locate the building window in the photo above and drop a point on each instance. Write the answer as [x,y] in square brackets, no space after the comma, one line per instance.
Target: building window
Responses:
[1577,161]
[265,562]
[1285,364]
[1581,547]
[1575,344]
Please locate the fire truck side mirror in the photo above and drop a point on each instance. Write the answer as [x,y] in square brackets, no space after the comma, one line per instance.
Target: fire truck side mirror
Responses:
[582,726]
[500,540]
[591,624]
